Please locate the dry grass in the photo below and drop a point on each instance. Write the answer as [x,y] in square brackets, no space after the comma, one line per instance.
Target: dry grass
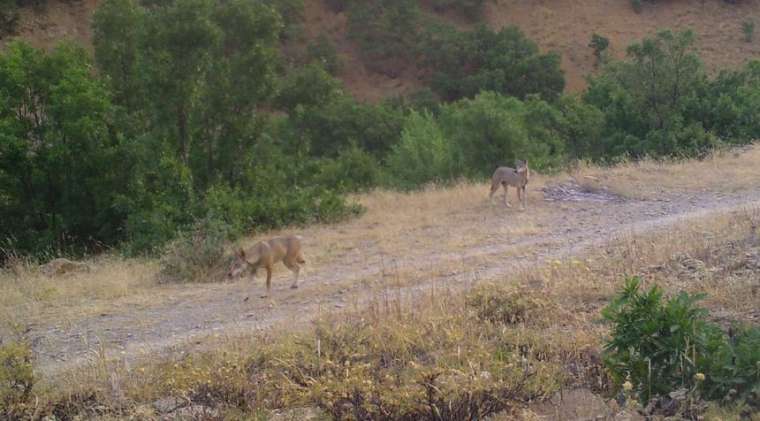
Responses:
[555,318]
[725,171]
[27,295]
[411,236]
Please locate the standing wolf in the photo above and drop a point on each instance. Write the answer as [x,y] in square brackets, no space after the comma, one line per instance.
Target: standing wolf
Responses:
[518,178]
[265,254]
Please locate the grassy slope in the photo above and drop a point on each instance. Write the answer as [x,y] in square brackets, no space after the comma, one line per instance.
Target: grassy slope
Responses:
[562,25]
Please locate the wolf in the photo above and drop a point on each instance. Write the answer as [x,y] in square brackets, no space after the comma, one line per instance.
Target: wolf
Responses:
[518,178]
[266,254]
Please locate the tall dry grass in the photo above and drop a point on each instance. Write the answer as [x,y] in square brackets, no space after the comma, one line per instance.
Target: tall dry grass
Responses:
[723,171]
[547,315]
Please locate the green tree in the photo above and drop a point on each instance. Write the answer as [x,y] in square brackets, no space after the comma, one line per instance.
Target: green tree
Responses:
[116,26]
[493,130]
[423,155]
[60,168]
[647,98]
[175,57]
[464,63]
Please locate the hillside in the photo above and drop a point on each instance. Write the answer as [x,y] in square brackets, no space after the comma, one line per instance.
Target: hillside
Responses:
[561,25]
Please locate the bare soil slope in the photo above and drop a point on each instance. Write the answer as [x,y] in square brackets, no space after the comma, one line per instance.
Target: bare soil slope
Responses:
[561,25]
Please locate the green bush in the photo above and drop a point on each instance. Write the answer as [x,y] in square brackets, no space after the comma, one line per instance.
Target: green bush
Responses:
[661,345]
[353,170]
[637,5]
[60,166]
[423,155]
[748,28]
[647,110]
[386,32]
[471,9]
[493,130]
[8,17]
[16,380]
[333,126]
[464,63]
[310,86]
[323,51]
[600,45]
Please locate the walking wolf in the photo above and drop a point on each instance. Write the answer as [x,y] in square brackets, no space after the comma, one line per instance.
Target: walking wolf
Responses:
[265,254]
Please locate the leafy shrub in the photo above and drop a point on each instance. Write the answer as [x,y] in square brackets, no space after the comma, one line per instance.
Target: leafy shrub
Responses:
[748,28]
[193,254]
[309,85]
[600,45]
[386,31]
[464,63]
[493,130]
[502,305]
[471,9]
[8,17]
[16,380]
[661,345]
[323,51]
[637,5]
[60,169]
[424,154]
[331,127]
[353,170]
[649,112]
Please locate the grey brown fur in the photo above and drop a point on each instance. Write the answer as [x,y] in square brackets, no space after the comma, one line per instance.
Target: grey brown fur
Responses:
[265,254]
[518,178]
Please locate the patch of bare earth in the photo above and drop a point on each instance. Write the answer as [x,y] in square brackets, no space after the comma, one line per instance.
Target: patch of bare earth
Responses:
[564,26]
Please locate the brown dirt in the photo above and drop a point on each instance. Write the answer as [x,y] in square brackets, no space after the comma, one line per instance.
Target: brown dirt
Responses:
[566,26]
[561,25]
[357,275]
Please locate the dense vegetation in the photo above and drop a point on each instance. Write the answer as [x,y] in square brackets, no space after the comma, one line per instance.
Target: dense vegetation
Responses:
[659,345]
[188,116]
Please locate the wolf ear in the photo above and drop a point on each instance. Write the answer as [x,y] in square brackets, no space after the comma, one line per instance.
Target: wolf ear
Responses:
[241,253]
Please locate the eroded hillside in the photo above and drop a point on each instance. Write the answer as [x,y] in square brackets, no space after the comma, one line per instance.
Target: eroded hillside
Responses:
[562,25]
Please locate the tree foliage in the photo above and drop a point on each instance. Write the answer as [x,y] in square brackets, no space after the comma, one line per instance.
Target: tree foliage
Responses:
[463,63]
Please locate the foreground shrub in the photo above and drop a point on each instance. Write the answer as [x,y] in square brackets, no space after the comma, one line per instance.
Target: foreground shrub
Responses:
[405,367]
[194,253]
[662,345]
[16,380]
[499,304]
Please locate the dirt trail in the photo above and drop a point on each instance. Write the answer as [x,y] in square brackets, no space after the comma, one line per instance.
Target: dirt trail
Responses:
[580,221]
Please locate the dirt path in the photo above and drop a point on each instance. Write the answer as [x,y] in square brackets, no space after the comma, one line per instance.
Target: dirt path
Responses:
[579,222]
